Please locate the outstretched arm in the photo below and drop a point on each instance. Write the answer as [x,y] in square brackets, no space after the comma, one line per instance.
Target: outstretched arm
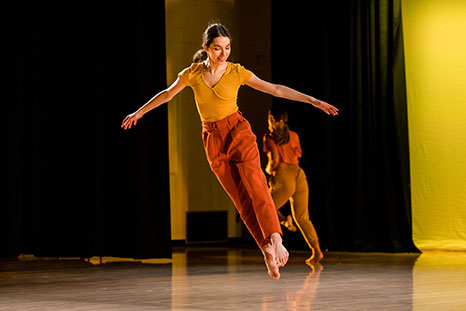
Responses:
[282,91]
[162,97]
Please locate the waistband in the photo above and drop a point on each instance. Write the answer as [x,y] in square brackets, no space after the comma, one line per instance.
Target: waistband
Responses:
[226,122]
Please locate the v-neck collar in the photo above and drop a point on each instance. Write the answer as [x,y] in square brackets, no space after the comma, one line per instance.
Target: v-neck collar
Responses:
[219,80]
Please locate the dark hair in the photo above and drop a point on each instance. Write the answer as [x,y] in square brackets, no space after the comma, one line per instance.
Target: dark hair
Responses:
[212,31]
[281,135]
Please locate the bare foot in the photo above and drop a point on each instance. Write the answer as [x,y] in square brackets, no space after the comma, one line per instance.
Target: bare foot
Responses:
[316,257]
[269,258]
[281,254]
[288,223]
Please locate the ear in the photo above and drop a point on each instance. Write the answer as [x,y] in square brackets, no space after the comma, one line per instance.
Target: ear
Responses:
[205,47]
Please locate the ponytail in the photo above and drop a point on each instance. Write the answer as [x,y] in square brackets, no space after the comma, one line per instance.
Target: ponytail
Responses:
[281,135]
[199,56]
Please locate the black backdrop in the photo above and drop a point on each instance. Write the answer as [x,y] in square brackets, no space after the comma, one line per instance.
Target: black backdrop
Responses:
[349,53]
[78,185]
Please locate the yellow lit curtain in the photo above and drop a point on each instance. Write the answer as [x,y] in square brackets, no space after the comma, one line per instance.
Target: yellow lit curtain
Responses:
[435,54]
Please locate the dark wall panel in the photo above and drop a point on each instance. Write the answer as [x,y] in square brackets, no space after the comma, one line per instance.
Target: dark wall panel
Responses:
[78,185]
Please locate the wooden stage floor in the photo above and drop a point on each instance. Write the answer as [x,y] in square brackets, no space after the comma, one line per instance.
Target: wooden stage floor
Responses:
[216,278]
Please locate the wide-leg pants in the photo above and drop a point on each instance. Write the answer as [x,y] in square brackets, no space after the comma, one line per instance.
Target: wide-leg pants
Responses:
[290,183]
[233,155]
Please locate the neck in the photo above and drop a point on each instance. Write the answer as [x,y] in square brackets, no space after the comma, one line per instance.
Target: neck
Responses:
[213,67]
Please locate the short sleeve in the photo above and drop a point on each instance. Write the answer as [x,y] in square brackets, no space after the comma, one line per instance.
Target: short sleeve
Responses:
[184,75]
[244,74]
[299,152]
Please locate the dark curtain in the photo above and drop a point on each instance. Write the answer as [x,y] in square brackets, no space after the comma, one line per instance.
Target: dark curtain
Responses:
[349,53]
[77,184]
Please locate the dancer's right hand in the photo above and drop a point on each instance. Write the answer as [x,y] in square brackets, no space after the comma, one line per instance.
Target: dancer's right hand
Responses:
[131,119]
[325,107]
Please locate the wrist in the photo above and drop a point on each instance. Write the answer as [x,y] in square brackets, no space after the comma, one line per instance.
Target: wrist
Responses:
[141,112]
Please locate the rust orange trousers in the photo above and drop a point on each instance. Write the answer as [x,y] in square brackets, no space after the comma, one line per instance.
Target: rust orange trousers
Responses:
[233,155]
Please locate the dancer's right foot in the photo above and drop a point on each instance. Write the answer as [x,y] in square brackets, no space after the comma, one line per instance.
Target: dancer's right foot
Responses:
[270,261]
[281,254]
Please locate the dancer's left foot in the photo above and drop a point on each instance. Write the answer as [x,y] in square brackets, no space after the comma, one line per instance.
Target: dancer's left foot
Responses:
[288,223]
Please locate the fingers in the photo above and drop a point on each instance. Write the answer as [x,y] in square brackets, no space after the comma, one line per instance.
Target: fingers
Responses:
[329,109]
[333,110]
[128,122]
[124,122]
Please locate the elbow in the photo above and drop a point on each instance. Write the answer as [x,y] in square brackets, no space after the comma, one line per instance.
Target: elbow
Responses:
[167,96]
[278,91]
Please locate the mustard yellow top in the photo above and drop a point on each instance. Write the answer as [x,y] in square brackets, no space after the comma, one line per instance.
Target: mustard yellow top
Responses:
[217,102]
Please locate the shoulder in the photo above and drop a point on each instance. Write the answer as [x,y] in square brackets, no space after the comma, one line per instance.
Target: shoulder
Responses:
[268,142]
[193,68]
[294,137]
[268,139]
[196,66]
[239,70]
[186,74]
[293,133]
[236,67]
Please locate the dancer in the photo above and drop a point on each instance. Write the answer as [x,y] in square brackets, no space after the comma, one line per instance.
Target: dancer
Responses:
[229,142]
[288,180]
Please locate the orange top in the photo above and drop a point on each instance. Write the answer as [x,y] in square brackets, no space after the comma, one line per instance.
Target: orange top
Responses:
[289,152]
[217,102]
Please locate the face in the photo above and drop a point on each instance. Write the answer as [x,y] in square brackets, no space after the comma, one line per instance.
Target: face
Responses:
[219,50]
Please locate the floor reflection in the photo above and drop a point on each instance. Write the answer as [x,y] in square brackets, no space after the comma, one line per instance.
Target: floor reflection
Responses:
[302,300]
[343,281]
[439,281]
[214,278]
